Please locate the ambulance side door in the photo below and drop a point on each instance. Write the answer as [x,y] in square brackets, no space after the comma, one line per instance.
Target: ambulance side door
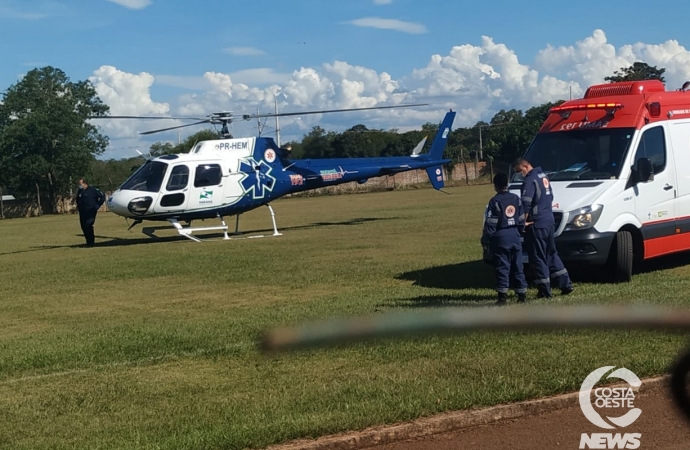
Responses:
[680,138]
[655,199]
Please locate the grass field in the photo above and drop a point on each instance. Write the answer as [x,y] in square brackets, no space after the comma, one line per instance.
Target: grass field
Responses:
[152,345]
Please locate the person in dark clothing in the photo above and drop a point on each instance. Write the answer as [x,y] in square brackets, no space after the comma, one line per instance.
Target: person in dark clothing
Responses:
[537,198]
[89,200]
[503,228]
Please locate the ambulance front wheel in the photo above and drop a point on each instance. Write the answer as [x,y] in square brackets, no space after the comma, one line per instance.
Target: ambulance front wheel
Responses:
[621,257]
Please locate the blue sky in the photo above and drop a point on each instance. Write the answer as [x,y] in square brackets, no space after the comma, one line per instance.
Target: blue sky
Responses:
[160,57]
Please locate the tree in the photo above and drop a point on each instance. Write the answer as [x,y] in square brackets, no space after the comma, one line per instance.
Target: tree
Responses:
[188,144]
[46,143]
[318,143]
[110,174]
[161,148]
[167,148]
[638,71]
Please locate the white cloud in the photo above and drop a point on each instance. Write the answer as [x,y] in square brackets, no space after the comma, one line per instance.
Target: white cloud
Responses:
[383,2]
[389,24]
[260,76]
[474,80]
[191,83]
[244,51]
[127,94]
[132,4]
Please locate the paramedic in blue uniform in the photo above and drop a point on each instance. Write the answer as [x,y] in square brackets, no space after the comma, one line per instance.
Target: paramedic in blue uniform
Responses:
[537,198]
[503,227]
[89,201]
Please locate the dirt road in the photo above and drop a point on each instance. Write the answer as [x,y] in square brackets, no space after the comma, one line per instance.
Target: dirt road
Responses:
[662,428]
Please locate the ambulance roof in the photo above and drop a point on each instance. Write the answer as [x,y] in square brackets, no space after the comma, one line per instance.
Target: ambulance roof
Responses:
[630,104]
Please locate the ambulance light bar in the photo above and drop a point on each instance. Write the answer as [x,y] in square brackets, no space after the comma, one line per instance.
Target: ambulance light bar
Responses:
[565,111]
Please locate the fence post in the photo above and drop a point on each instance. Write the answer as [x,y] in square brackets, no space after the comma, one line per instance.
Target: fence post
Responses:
[2,206]
[38,198]
[476,166]
[491,167]
[467,175]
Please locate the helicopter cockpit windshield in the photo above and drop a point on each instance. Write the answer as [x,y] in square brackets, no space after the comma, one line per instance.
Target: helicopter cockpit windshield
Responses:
[148,177]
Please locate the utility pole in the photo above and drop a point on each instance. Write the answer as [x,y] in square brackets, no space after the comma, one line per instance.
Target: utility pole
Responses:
[277,126]
[481,141]
[481,152]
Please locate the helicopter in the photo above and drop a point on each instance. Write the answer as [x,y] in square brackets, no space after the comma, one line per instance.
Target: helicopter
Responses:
[229,176]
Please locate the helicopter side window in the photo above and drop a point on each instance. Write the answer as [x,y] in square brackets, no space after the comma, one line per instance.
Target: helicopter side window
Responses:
[179,178]
[208,175]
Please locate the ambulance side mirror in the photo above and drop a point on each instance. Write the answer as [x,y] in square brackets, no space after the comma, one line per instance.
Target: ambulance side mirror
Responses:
[644,171]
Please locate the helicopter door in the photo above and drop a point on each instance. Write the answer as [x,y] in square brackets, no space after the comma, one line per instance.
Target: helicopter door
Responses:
[175,196]
[207,189]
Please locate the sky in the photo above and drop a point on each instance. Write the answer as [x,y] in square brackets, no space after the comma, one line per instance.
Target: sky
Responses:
[194,58]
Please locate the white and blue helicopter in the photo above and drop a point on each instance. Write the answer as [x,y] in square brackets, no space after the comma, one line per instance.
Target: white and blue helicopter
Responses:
[229,176]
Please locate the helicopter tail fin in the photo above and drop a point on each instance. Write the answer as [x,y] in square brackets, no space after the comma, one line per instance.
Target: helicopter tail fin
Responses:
[435,176]
[441,139]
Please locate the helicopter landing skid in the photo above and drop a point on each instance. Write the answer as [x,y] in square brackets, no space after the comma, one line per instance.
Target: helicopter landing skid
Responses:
[187,231]
[239,233]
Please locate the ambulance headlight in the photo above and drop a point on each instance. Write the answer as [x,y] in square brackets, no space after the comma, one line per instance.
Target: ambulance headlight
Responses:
[583,218]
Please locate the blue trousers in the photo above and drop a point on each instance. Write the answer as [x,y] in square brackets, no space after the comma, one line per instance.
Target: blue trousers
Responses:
[87,219]
[541,248]
[508,269]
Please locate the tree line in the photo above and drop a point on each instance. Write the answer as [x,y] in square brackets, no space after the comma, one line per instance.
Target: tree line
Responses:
[47,142]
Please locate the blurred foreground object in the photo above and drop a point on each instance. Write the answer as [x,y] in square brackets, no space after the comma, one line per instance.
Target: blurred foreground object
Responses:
[460,320]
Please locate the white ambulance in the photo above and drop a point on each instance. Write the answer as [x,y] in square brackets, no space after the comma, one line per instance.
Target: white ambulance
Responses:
[619,165]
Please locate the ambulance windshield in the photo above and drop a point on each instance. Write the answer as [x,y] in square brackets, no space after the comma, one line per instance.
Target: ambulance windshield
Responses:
[591,154]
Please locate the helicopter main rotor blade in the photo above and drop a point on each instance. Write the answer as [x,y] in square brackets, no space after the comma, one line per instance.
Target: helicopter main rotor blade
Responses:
[255,116]
[145,117]
[173,128]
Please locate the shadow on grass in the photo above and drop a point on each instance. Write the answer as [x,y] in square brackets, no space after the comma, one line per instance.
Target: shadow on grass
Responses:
[466,275]
[480,275]
[663,263]
[442,301]
[109,241]
[602,275]
[358,221]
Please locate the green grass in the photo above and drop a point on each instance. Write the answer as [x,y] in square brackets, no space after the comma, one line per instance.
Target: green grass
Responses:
[152,345]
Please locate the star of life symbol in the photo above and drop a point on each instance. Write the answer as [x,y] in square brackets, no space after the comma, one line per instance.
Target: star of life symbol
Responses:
[257,177]
[610,397]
